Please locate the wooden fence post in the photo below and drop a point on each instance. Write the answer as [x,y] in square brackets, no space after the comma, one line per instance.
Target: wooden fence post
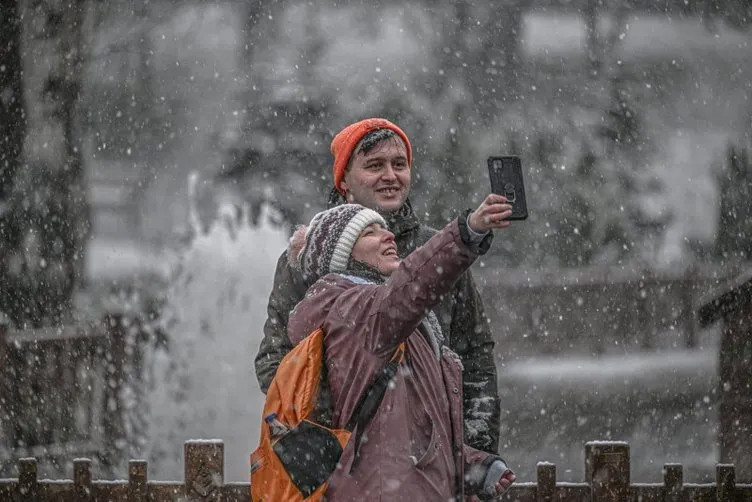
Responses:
[82,479]
[673,482]
[113,415]
[3,334]
[27,479]
[4,394]
[607,470]
[137,487]
[204,469]
[725,483]
[546,482]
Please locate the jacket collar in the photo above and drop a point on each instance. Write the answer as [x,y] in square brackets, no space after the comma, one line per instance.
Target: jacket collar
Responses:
[400,222]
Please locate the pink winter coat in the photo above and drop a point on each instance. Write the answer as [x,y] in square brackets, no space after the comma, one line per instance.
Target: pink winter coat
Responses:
[413,448]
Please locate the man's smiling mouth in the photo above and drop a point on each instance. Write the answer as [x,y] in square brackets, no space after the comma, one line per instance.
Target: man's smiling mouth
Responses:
[389,190]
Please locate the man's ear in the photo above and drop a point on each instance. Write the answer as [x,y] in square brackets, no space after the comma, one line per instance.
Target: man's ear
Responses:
[344,187]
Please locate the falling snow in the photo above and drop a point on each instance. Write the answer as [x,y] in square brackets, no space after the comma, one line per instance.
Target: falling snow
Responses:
[155,157]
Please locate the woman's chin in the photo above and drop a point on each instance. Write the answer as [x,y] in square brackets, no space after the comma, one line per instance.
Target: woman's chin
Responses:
[389,267]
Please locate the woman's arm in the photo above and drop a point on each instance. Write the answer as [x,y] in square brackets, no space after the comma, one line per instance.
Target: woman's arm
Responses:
[385,315]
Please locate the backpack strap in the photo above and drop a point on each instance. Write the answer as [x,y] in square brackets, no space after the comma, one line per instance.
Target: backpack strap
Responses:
[371,400]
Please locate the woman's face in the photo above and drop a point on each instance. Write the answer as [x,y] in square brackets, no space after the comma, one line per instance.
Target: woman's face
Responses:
[376,247]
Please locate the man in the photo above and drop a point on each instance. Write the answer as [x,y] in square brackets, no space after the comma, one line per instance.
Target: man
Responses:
[372,167]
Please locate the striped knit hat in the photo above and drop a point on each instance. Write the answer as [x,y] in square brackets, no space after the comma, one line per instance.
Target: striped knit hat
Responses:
[330,237]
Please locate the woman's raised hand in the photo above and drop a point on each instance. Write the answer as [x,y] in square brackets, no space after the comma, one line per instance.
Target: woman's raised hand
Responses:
[492,213]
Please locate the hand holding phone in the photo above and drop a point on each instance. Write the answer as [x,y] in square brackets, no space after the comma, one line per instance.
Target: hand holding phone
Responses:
[492,213]
[506,179]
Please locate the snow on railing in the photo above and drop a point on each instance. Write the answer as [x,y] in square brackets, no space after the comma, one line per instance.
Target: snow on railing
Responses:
[607,479]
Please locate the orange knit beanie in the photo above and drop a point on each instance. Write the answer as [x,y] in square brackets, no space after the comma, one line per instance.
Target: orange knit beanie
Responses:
[347,139]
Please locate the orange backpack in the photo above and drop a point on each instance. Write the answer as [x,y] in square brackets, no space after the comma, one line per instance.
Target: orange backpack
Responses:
[296,455]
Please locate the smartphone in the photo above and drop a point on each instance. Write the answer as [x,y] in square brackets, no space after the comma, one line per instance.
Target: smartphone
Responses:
[506,179]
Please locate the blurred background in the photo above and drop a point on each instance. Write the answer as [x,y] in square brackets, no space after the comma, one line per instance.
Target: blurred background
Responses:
[154,156]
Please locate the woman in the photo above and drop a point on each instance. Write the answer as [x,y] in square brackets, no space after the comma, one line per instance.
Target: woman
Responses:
[368,303]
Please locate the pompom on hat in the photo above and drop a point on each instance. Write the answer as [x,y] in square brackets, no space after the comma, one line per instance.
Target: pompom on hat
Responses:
[326,244]
[347,139]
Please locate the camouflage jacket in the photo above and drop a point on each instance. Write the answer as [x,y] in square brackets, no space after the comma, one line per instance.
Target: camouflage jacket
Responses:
[461,315]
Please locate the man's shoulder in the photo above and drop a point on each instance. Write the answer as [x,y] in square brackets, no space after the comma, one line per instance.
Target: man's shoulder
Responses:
[283,261]
[288,277]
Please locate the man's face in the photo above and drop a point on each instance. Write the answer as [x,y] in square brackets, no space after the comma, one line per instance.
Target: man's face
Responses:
[379,179]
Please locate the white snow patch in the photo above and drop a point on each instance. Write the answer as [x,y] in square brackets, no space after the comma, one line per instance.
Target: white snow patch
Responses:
[646,371]
[609,366]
